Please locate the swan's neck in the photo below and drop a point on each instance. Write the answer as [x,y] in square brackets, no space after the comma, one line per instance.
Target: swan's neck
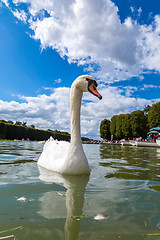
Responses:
[75,108]
[76,162]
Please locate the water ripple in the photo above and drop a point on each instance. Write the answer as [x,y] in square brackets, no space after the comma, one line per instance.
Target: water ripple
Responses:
[132,163]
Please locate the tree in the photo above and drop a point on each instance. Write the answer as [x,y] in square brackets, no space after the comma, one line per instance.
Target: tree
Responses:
[11,122]
[154,115]
[3,121]
[105,129]
[146,109]
[113,125]
[126,126]
[18,123]
[139,124]
[24,124]
[32,126]
[119,133]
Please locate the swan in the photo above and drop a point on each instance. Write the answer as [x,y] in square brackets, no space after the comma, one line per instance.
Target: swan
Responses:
[62,156]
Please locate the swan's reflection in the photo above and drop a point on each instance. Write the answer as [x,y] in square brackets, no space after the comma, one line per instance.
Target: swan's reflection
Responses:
[75,186]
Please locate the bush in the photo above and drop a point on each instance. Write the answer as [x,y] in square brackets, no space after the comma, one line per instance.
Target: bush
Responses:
[11,131]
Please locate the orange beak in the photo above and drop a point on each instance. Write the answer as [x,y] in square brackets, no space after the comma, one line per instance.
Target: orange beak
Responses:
[92,88]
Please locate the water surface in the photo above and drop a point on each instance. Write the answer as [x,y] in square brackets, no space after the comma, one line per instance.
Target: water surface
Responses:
[124,186]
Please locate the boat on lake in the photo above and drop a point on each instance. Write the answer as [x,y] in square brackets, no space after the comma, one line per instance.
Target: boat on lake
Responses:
[158,141]
[127,143]
[146,144]
[141,143]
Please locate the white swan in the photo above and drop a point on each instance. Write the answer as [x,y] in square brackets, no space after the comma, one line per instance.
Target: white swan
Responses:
[64,157]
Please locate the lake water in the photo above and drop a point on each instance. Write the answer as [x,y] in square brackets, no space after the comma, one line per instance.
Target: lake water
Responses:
[124,187]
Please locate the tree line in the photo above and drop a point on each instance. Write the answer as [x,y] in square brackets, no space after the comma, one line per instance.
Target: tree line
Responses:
[24,124]
[19,130]
[11,131]
[131,125]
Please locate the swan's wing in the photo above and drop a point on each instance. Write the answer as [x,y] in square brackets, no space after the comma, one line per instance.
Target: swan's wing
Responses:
[53,155]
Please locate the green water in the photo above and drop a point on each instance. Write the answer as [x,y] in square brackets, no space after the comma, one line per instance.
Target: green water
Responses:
[124,186]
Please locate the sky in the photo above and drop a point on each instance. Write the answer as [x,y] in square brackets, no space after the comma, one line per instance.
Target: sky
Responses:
[46,44]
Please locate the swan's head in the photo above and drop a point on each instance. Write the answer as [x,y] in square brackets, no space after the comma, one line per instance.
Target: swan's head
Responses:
[86,83]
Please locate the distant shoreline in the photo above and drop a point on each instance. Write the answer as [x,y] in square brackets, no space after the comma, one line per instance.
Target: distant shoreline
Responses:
[83,142]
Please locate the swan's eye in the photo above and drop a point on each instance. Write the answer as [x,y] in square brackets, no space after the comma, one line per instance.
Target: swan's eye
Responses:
[91,81]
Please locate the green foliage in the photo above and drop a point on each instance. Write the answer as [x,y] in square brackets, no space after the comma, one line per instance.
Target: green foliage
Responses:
[3,121]
[3,130]
[154,115]
[113,125]
[17,131]
[146,109]
[32,126]
[119,133]
[24,124]
[105,129]
[18,123]
[139,124]
[126,126]
[134,124]
[11,122]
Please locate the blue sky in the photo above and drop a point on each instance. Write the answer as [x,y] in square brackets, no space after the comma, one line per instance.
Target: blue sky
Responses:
[24,68]
[46,44]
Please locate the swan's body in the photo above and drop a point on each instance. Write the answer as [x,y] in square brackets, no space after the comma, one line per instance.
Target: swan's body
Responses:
[64,157]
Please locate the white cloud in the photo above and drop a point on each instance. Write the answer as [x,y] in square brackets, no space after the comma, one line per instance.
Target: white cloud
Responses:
[21,15]
[132,9]
[139,11]
[129,90]
[136,11]
[58,80]
[5,2]
[52,111]
[149,43]
[149,86]
[91,34]
[87,32]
